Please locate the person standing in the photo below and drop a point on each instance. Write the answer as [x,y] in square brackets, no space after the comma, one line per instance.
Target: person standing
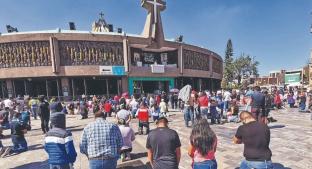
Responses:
[256,139]
[164,153]
[163,108]
[33,103]
[302,101]
[257,103]
[143,115]
[203,104]
[59,143]
[203,146]
[101,142]
[44,114]
[9,106]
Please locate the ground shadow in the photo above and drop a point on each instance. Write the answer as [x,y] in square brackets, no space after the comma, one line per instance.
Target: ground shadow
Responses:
[277,126]
[74,130]
[134,164]
[279,166]
[138,155]
[35,147]
[41,165]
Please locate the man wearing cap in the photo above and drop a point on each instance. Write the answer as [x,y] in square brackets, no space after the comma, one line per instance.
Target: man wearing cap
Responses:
[101,142]
[164,153]
[59,143]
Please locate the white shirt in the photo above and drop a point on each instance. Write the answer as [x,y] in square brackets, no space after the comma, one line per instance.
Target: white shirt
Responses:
[8,103]
[134,105]
[227,96]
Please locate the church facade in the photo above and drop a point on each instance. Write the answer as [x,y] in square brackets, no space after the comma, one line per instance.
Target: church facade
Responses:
[72,63]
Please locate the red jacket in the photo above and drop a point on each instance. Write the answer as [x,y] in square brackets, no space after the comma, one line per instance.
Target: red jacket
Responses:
[143,115]
[203,101]
[107,107]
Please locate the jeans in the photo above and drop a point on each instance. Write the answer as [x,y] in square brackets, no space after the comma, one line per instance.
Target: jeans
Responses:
[302,106]
[64,166]
[214,116]
[103,164]
[256,165]
[204,112]
[233,119]
[34,112]
[209,164]
[226,106]
[188,115]
[19,144]
[133,113]
[143,124]
[5,126]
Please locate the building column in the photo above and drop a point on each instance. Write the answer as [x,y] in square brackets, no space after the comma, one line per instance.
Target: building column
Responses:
[10,87]
[124,85]
[85,86]
[65,87]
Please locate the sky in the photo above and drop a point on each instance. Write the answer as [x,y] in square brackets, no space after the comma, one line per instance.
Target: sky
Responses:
[275,32]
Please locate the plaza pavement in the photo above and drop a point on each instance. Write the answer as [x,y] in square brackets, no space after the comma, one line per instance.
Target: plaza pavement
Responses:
[291,144]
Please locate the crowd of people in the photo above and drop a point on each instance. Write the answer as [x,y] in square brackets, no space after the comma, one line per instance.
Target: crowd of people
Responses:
[105,141]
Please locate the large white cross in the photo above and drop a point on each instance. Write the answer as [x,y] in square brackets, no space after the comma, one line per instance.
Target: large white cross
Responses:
[155,3]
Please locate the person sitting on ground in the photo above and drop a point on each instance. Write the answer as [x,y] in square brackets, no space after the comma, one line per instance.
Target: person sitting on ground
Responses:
[17,135]
[164,153]
[203,146]
[232,115]
[123,114]
[143,115]
[256,139]
[128,137]
[163,108]
[59,143]
[25,118]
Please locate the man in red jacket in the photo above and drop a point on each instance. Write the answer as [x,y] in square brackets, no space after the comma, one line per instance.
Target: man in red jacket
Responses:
[143,115]
[203,104]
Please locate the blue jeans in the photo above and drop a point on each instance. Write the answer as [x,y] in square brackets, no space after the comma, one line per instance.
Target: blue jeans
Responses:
[133,113]
[302,106]
[5,126]
[188,116]
[209,164]
[64,166]
[226,106]
[19,144]
[256,164]
[34,112]
[100,164]
[204,112]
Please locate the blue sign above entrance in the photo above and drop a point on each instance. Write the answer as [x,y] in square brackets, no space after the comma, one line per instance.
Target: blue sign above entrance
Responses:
[118,70]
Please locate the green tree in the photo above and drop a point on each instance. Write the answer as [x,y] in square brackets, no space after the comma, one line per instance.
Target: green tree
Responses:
[244,67]
[228,63]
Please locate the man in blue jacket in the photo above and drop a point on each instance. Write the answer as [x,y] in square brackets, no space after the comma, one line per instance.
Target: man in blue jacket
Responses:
[59,143]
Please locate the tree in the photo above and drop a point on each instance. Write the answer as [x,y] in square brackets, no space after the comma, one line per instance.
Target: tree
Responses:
[228,62]
[244,67]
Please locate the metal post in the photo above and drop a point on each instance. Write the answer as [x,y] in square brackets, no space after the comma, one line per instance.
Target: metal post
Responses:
[107,90]
[47,88]
[85,86]
[73,87]
[58,88]
[25,87]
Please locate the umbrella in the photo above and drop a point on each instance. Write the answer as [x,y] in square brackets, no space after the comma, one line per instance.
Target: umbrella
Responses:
[126,94]
[174,90]
[184,93]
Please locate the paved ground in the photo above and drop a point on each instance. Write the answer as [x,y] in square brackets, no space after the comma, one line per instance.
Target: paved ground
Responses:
[291,144]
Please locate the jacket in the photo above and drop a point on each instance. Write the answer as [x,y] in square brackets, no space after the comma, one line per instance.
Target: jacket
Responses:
[60,147]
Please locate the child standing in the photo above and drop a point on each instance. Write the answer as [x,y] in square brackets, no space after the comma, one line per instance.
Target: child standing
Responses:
[155,112]
[128,137]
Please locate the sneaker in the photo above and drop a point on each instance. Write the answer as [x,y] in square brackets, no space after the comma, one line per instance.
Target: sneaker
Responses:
[6,152]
